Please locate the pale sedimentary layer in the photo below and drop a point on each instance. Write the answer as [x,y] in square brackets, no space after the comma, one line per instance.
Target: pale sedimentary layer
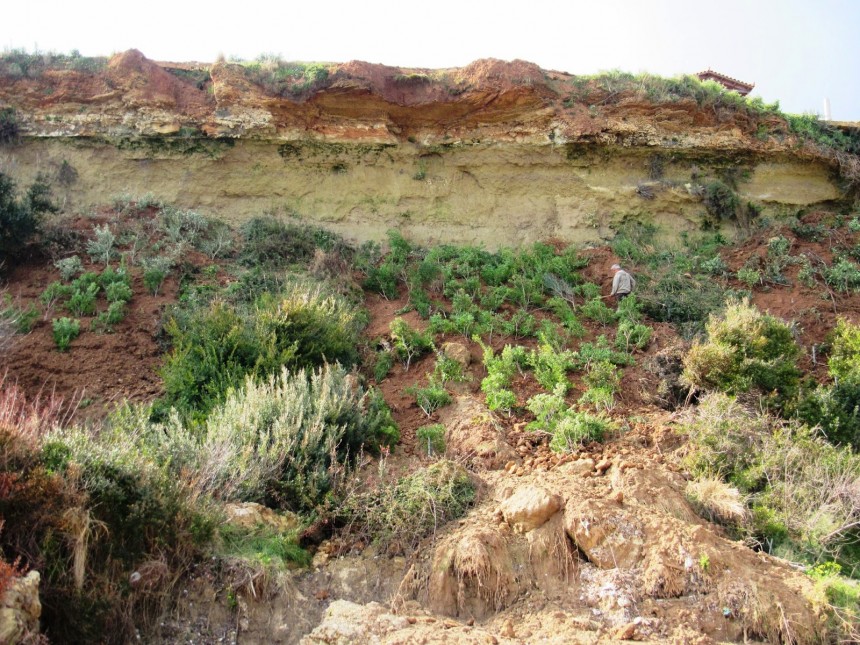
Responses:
[495,193]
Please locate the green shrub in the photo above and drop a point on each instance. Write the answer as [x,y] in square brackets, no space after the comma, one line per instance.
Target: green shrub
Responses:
[500,373]
[576,429]
[118,292]
[632,335]
[745,350]
[595,309]
[83,301]
[430,398]
[280,442]
[55,292]
[447,370]
[20,218]
[65,331]
[569,429]
[564,312]
[803,503]
[836,407]
[383,364]
[598,351]
[409,343]
[397,517]
[603,381]
[69,267]
[115,314]
[433,436]
[274,243]
[843,275]
[682,299]
[101,247]
[153,279]
[721,201]
[217,345]
[551,366]
[603,374]
[749,276]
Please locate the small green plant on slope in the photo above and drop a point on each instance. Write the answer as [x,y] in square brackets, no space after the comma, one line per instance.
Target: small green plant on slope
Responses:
[216,345]
[632,335]
[65,331]
[69,267]
[409,343]
[430,398]
[102,247]
[603,381]
[551,365]
[569,428]
[433,437]
[500,372]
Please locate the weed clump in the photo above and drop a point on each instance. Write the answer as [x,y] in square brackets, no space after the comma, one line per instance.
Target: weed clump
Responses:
[398,516]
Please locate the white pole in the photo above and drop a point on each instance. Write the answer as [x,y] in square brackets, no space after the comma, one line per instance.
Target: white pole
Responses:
[827,109]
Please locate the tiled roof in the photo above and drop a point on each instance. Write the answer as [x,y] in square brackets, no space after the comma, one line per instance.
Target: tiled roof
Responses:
[710,72]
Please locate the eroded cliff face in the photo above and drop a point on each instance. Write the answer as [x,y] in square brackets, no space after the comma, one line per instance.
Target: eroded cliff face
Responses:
[496,152]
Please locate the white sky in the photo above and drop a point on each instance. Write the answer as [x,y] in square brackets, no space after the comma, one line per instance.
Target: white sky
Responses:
[796,52]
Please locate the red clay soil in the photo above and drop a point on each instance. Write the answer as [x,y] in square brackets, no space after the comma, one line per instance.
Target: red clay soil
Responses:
[100,369]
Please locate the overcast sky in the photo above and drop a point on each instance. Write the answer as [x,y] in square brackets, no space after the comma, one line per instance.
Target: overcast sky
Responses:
[795,51]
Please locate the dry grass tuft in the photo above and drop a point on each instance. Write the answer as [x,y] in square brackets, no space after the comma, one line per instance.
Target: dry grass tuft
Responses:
[718,502]
[80,527]
[30,419]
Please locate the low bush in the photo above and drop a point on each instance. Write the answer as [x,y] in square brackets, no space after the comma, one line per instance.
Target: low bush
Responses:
[69,267]
[20,217]
[409,343]
[500,373]
[217,345]
[432,436]
[681,299]
[600,351]
[595,309]
[603,381]
[65,331]
[745,350]
[273,242]
[551,366]
[835,407]
[843,275]
[632,335]
[576,429]
[804,502]
[282,441]
[102,247]
[430,398]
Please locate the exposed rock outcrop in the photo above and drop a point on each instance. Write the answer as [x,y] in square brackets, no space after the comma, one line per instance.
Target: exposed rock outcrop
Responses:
[20,609]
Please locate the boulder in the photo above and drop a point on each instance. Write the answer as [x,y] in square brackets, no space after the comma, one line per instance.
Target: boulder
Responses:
[250,514]
[457,352]
[529,507]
